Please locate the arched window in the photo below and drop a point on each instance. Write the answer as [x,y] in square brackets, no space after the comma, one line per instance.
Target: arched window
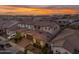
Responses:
[38,27]
[19,25]
[59,21]
[29,26]
[22,26]
[26,25]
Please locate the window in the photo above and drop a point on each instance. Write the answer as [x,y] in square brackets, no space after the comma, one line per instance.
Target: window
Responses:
[35,26]
[38,27]
[19,25]
[30,37]
[49,28]
[55,28]
[1,47]
[64,22]
[26,25]
[22,26]
[58,52]
[45,28]
[29,26]
[0,30]
[59,21]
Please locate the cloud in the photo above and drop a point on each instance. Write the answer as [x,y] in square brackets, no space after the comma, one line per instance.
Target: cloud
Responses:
[38,10]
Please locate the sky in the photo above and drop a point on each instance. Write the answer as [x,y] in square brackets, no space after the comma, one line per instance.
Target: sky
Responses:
[38,9]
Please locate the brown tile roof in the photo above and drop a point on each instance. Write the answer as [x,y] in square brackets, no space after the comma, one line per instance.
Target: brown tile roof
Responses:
[42,35]
[69,40]
[38,34]
[51,24]
[7,23]
[26,21]
[72,42]
[63,35]
[24,42]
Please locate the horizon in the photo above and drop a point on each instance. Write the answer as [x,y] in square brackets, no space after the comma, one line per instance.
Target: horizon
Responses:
[38,10]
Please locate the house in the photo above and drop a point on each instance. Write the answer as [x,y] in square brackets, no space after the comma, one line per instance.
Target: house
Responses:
[60,44]
[72,43]
[37,37]
[42,18]
[6,26]
[36,40]
[26,24]
[64,22]
[74,25]
[46,26]
[49,27]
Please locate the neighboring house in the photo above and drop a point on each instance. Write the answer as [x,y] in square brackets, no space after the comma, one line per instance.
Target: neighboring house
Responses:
[63,22]
[26,24]
[49,27]
[45,26]
[60,50]
[29,23]
[72,43]
[6,26]
[75,23]
[42,18]
[15,17]
[61,40]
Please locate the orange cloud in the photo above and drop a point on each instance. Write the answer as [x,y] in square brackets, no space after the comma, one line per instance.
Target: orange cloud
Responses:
[13,10]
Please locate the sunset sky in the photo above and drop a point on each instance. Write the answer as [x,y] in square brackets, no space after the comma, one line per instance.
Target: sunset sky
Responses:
[38,10]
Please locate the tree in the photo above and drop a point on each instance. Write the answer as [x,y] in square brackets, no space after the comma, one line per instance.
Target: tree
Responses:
[17,37]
